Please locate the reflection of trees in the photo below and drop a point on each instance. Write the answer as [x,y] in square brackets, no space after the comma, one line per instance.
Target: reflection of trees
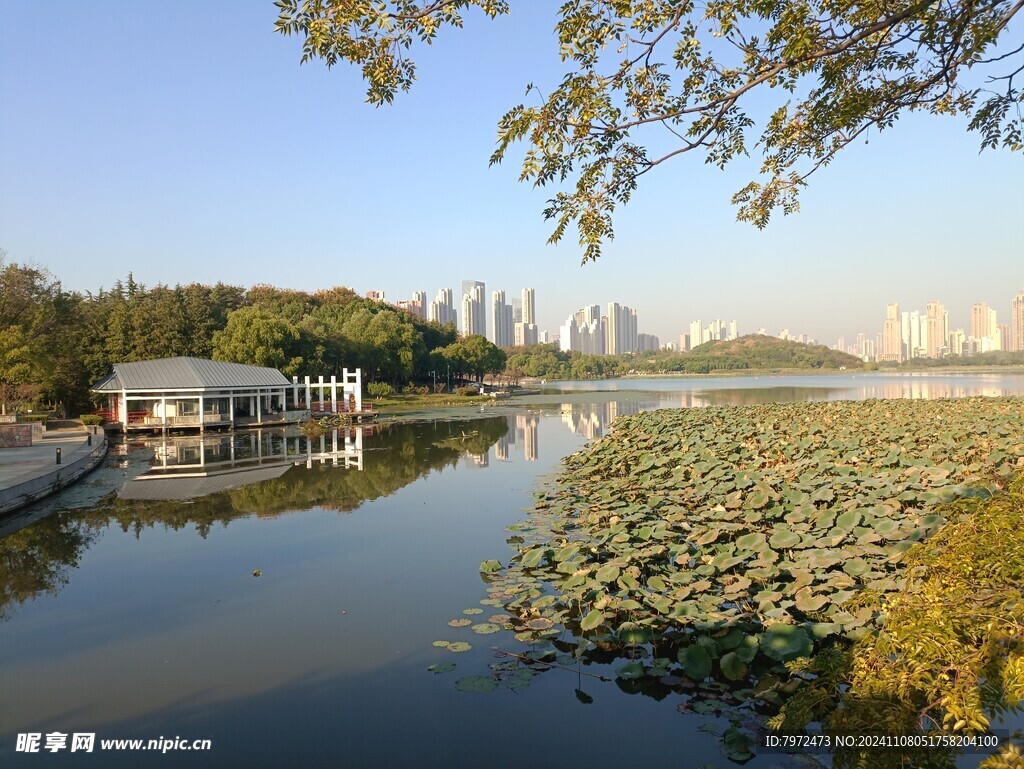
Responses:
[37,559]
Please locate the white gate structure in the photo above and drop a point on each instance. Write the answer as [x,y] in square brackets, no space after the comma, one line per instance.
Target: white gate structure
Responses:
[334,396]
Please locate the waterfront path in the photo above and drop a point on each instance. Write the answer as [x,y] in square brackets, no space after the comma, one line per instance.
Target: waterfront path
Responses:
[30,473]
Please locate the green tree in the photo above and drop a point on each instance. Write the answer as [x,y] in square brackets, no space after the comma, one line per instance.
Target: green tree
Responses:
[256,336]
[28,324]
[640,71]
[473,356]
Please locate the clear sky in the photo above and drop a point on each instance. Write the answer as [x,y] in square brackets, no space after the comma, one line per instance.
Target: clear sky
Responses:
[184,142]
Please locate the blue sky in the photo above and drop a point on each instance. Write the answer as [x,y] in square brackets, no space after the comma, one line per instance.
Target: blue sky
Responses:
[184,142]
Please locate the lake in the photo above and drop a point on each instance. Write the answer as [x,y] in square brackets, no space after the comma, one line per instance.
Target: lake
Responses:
[281,596]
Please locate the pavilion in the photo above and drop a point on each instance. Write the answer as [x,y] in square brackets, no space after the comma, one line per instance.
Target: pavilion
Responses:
[195,393]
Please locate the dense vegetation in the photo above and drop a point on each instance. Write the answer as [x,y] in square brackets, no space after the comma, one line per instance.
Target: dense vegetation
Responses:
[54,343]
[995,358]
[709,550]
[748,353]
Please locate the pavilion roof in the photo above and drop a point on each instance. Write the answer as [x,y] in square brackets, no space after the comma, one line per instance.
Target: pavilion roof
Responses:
[188,373]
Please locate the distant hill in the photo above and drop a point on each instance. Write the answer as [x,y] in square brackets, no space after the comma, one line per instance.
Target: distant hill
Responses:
[756,351]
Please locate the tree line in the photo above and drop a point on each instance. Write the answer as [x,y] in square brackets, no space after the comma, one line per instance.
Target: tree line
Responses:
[54,344]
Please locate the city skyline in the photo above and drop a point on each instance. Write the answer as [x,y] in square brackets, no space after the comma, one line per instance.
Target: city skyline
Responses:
[110,166]
[591,333]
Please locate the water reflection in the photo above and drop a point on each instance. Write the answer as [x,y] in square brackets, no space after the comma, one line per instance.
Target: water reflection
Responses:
[118,618]
[592,420]
[225,477]
[196,466]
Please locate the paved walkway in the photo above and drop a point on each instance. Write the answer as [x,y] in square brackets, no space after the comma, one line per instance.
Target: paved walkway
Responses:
[38,462]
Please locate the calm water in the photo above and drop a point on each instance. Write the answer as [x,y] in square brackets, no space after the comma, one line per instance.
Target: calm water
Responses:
[129,608]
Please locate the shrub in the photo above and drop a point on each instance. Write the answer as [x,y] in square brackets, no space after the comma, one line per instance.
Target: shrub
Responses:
[380,389]
[91,419]
[467,391]
[33,418]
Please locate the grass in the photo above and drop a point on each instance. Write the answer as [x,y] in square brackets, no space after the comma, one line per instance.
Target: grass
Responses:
[399,403]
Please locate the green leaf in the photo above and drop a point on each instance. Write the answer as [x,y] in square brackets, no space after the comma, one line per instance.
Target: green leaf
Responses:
[784,642]
[733,667]
[695,661]
[593,618]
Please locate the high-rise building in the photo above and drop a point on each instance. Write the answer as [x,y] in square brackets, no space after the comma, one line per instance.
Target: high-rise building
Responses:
[529,306]
[419,301]
[937,320]
[569,335]
[684,343]
[696,334]
[501,320]
[524,334]
[892,335]
[734,330]
[1017,322]
[647,343]
[442,309]
[474,317]
[620,329]
[1005,336]
[983,320]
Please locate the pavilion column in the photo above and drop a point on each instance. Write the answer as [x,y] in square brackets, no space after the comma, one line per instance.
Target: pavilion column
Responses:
[259,406]
[163,412]
[295,392]
[334,394]
[231,406]
[307,392]
[202,416]
[320,389]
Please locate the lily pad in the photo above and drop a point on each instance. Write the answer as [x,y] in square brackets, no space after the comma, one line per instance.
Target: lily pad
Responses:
[459,646]
[441,667]
[485,628]
[785,642]
[695,661]
[460,622]
[476,684]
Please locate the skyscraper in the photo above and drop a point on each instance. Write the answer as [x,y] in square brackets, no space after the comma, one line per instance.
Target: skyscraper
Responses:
[529,307]
[501,320]
[1017,322]
[419,301]
[937,320]
[442,309]
[474,318]
[696,333]
[892,335]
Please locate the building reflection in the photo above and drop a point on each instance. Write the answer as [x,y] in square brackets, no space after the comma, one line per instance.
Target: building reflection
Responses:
[592,420]
[185,467]
[526,435]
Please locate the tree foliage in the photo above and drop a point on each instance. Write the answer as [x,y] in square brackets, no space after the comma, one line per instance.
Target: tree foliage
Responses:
[639,73]
[54,343]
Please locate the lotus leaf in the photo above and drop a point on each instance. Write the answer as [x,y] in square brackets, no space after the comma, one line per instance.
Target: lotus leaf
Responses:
[459,646]
[476,684]
[695,661]
[785,642]
[441,667]
[490,566]
[733,667]
[784,538]
[460,622]
[485,628]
